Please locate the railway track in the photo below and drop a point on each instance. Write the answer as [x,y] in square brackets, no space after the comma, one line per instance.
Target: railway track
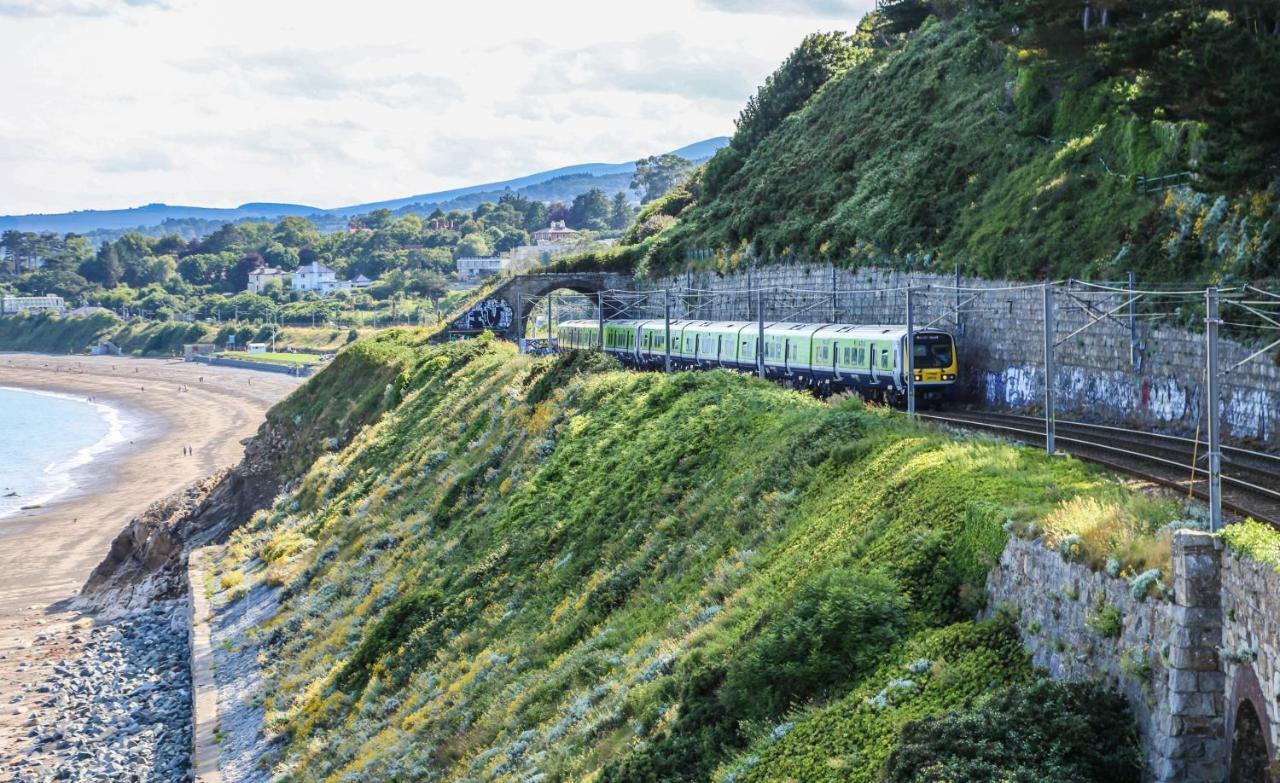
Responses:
[1250,479]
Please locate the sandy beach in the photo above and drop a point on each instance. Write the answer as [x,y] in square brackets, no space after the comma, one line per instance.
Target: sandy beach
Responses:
[46,554]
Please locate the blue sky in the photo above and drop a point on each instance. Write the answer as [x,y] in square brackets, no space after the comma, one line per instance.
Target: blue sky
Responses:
[113,103]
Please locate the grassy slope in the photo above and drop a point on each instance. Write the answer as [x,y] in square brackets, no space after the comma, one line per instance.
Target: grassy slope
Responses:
[525,570]
[949,149]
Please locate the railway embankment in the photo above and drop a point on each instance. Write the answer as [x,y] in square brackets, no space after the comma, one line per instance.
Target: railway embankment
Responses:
[552,567]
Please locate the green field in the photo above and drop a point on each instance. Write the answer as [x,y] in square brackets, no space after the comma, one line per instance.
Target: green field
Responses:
[288,359]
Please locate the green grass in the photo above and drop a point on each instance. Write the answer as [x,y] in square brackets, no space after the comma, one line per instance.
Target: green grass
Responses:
[1254,540]
[287,359]
[552,566]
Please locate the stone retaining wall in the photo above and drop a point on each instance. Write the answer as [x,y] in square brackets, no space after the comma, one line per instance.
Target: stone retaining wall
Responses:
[1161,655]
[1002,345]
[1251,640]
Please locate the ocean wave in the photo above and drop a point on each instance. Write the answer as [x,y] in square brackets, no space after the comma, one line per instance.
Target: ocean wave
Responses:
[61,476]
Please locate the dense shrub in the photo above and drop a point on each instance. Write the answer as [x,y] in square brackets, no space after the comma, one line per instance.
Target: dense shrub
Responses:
[393,629]
[1044,732]
[836,630]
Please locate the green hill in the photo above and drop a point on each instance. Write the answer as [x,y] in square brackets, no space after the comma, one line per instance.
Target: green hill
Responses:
[943,146]
[552,569]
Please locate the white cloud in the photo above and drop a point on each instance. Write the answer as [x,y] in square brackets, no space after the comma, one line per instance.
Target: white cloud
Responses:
[220,102]
[35,8]
[850,9]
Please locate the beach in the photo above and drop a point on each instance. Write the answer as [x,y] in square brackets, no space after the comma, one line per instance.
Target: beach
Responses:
[47,553]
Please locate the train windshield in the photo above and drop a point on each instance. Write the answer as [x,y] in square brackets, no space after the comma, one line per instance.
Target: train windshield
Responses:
[933,351]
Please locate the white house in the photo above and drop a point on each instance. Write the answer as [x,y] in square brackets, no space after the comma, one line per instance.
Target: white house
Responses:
[319,278]
[258,278]
[479,268]
[11,305]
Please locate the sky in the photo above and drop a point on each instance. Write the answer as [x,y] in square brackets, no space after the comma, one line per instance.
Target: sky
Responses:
[119,103]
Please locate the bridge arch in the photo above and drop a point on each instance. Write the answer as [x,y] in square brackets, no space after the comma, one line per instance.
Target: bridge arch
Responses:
[1249,730]
[506,311]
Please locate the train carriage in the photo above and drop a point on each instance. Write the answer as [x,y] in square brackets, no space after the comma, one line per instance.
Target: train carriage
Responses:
[832,357]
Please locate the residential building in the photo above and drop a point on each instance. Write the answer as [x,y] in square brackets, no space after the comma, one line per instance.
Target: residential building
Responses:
[318,278]
[258,278]
[479,268]
[11,305]
[555,233]
[360,281]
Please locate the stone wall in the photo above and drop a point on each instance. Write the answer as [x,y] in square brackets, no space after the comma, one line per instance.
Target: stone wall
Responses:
[1161,654]
[1251,640]
[1157,386]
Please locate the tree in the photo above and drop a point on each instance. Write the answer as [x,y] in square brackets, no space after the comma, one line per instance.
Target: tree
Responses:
[590,210]
[473,246]
[620,214]
[819,57]
[657,174]
[296,232]
[104,269]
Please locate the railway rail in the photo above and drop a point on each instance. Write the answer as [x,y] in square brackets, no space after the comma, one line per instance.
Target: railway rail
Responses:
[1250,479]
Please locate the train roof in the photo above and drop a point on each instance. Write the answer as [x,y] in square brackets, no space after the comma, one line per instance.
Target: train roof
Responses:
[817,329]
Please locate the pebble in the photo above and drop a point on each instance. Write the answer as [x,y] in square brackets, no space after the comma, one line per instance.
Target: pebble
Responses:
[120,710]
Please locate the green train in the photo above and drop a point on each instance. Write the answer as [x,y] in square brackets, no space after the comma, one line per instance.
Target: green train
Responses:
[824,356]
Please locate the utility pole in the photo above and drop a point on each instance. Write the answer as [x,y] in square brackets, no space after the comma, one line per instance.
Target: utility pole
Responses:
[833,292]
[959,326]
[1213,393]
[666,315]
[549,337]
[760,331]
[909,359]
[1133,321]
[1049,371]
[519,323]
[600,319]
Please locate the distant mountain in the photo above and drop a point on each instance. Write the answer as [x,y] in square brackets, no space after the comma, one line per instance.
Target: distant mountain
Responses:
[151,215]
[556,184]
[698,153]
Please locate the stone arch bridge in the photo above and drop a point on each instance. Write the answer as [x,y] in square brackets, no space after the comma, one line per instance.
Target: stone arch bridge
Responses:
[506,310]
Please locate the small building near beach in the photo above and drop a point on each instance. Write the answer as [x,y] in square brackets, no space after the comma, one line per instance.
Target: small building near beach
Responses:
[12,305]
[192,350]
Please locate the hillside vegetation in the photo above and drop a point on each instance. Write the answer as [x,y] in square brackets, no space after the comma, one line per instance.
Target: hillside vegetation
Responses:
[552,569]
[952,144]
[45,333]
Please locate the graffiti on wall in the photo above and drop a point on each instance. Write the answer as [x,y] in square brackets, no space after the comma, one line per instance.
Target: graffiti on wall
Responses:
[493,313]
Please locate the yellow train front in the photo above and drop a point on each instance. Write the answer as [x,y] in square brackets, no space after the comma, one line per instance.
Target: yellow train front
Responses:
[829,357]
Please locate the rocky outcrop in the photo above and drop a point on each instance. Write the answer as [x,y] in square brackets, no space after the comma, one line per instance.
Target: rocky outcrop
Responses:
[147,560]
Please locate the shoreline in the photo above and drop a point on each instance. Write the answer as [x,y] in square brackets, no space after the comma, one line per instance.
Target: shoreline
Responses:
[80,474]
[47,554]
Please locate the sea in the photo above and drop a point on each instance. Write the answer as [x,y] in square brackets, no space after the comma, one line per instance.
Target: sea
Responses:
[48,444]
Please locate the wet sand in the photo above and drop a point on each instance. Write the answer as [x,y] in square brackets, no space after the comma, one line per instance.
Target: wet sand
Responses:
[46,554]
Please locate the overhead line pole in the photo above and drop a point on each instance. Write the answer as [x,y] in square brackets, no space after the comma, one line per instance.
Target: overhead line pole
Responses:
[1050,371]
[1133,321]
[600,320]
[760,332]
[910,355]
[1213,393]
[833,292]
[666,315]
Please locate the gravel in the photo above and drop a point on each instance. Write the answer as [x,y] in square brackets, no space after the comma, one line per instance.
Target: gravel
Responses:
[118,709]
